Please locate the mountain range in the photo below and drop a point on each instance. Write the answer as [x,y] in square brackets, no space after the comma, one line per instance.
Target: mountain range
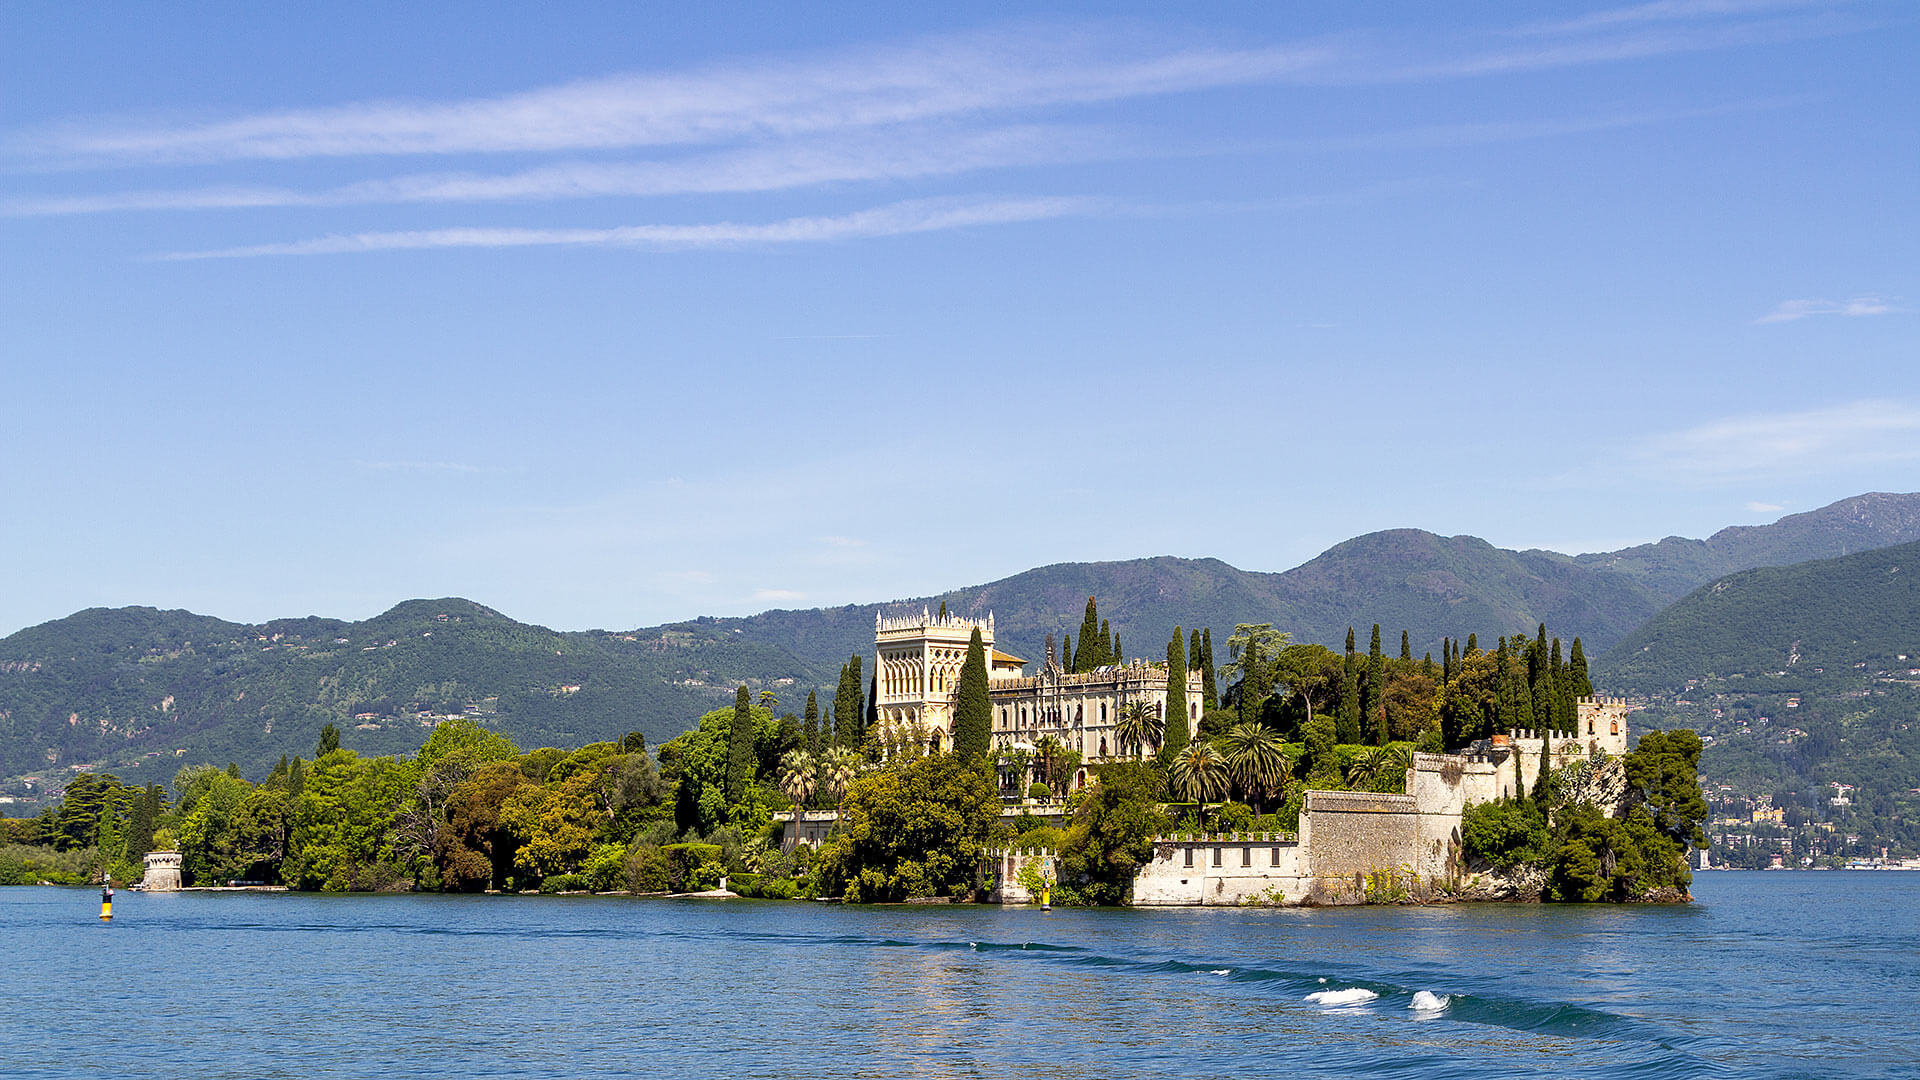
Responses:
[140,691]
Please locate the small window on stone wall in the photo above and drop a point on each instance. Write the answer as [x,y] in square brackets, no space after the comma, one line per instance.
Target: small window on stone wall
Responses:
[1189,856]
[1216,856]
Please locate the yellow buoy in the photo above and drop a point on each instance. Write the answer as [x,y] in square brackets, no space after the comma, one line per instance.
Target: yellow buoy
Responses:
[106,901]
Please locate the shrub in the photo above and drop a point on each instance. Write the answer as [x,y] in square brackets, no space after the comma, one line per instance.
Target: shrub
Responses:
[1504,834]
[559,883]
[684,860]
[606,868]
[1234,817]
[1039,791]
[648,870]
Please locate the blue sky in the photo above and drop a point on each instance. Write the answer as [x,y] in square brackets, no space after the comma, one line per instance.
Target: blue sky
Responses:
[607,316]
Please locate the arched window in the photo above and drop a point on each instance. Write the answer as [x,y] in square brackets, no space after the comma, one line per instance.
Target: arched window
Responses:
[1079,714]
[1103,712]
[1103,746]
[1193,710]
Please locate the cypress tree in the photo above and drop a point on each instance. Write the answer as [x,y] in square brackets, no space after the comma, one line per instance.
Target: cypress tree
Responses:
[330,740]
[1089,638]
[846,705]
[1426,666]
[1255,682]
[943,611]
[1582,686]
[1193,658]
[1446,660]
[1106,645]
[1376,708]
[870,716]
[1177,733]
[140,825]
[1209,689]
[1347,725]
[856,709]
[1540,793]
[810,725]
[1406,647]
[1118,656]
[1540,680]
[296,778]
[740,746]
[1473,647]
[973,709]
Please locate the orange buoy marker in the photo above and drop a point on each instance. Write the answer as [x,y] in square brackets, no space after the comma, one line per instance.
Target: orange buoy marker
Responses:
[106,900]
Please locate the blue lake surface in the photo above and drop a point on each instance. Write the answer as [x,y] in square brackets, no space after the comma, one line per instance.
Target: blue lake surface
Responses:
[1766,975]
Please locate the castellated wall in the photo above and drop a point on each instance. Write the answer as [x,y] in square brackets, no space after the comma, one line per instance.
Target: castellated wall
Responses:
[1204,870]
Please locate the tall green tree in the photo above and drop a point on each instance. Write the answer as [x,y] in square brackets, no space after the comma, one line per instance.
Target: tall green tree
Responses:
[847,706]
[1582,686]
[1177,731]
[973,710]
[740,746]
[1209,689]
[810,724]
[329,741]
[1406,647]
[1373,711]
[1347,721]
[1066,653]
[1118,656]
[1089,656]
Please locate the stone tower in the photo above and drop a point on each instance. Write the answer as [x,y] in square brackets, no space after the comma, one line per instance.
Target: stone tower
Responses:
[163,871]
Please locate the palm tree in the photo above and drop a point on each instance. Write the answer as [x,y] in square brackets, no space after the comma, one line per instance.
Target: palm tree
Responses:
[799,777]
[1046,758]
[1255,760]
[1199,774]
[839,767]
[1140,727]
[1364,771]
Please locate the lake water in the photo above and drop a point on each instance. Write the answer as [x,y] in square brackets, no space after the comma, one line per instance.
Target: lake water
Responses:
[1782,974]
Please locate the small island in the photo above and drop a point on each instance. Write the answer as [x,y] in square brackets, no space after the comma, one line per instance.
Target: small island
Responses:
[945,771]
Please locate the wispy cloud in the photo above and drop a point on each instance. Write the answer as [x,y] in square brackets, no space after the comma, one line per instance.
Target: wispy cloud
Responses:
[1793,310]
[1764,508]
[895,155]
[1861,433]
[917,216]
[957,78]
[1664,11]
[778,596]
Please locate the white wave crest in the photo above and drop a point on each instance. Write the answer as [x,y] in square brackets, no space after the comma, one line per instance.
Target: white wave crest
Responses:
[1221,971]
[1351,996]
[1428,1001]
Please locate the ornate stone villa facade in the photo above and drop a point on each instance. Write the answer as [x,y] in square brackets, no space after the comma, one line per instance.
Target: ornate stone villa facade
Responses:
[917,663]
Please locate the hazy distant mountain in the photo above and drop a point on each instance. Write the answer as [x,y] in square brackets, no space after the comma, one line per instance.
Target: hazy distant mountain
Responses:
[1676,566]
[136,689]
[1405,579]
[1828,614]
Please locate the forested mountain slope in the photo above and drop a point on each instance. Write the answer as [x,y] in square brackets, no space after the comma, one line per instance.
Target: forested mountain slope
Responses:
[1801,678]
[140,691]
